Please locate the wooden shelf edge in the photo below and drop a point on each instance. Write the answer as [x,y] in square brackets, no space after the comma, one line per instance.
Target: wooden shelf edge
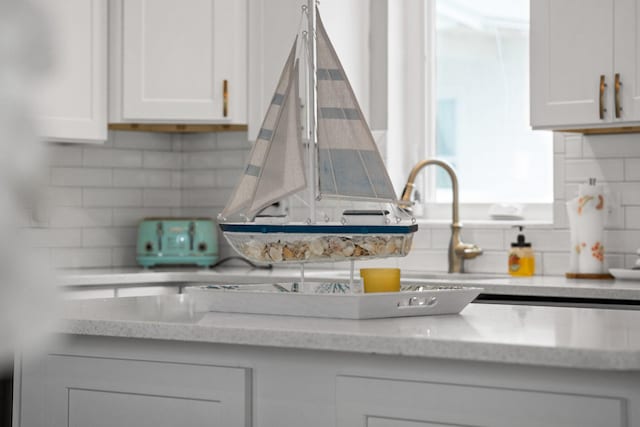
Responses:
[177,128]
[602,131]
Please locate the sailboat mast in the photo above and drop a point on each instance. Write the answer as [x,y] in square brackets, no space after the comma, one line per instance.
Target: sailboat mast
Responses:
[313,112]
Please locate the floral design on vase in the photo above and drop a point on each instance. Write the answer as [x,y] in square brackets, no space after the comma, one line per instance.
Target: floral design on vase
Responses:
[597,251]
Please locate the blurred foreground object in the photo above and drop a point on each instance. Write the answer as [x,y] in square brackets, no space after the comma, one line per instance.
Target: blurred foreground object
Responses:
[27,284]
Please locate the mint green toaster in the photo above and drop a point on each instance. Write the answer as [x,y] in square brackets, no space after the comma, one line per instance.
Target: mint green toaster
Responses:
[172,241]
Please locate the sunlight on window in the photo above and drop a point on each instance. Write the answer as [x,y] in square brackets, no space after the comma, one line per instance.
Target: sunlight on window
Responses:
[482,118]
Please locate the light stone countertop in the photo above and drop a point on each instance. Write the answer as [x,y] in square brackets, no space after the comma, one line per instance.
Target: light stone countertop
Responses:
[537,286]
[541,336]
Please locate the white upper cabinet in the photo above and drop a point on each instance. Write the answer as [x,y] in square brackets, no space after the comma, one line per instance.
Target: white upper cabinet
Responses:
[178,61]
[585,64]
[273,26]
[72,104]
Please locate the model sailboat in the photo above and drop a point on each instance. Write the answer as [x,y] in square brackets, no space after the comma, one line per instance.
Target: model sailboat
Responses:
[338,160]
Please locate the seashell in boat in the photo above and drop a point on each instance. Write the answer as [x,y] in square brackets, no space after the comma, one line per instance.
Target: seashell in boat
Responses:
[275,252]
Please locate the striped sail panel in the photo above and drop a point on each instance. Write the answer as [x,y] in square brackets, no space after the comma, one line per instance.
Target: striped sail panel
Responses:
[350,165]
[283,173]
[243,195]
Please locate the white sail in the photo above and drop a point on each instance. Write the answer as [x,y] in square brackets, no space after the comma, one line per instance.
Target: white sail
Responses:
[349,164]
[283,173]
[275,167]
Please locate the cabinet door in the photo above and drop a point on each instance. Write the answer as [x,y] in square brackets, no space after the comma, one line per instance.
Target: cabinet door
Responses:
[176,56]
[377,402]
[273,26]
[571,48]
[627,60]
[93,392]
[73,100]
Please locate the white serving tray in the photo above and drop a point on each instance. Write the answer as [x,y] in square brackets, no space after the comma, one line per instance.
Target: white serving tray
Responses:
[625,274]
[332,300]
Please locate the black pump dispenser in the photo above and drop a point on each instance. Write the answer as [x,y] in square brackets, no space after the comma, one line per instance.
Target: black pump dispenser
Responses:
[521,240]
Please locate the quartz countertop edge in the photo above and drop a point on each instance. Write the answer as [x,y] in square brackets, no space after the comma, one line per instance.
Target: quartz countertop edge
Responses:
[540,336]
[543,286]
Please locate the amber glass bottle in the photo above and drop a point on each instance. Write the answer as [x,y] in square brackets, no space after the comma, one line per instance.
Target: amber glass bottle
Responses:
[522,261]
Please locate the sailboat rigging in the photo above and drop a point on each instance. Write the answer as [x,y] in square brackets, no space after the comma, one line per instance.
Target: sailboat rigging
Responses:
[342,163]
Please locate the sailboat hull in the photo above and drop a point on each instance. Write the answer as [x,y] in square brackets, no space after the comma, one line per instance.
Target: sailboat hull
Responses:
[301,243]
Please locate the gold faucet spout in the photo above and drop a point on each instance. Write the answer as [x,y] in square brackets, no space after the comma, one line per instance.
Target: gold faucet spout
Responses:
[458,251]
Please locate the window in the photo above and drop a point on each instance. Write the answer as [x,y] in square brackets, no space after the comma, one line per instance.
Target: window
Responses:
[458,89]
[482,104]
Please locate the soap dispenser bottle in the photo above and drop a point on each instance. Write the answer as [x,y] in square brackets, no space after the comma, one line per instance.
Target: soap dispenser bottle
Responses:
[522,261]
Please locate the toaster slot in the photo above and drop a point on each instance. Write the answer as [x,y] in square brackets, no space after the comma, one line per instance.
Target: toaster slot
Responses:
[159,232]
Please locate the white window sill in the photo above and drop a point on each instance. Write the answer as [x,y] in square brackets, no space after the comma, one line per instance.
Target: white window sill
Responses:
[485,223]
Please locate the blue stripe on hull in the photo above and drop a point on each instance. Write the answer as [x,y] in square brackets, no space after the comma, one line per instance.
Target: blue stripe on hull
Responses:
[319,229]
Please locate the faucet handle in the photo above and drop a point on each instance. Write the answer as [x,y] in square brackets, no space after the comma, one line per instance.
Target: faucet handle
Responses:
[468,250]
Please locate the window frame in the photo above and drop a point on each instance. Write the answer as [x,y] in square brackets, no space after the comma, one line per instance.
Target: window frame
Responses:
[411,26]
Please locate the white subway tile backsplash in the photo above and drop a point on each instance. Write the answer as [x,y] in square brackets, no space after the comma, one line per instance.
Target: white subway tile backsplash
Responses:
[488,262]
[573,146]
[141,140]
[623,241]
[199,178]
[109,237]
[176,179]
[630,193]
[490,239]
[142,178]
[555,263]
[124,257]
[99,194]
[123,217]
[604,146]
[558,176]
[208,197]
[200,142]
[81,177]
[65,155]
[422,239]
[601,169]
[73,217]
[632,218]
[424,260]
[234,141]
[53,237]
[228,178]
[215,159]
[632,169]
[161,160]
[109,197]
[111,158]
[64,196]
[559,142]
[161,198]
[81,257]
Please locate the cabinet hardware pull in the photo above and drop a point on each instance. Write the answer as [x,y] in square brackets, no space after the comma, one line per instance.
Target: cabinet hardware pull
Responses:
[603,85]
[617,85]
[225,98]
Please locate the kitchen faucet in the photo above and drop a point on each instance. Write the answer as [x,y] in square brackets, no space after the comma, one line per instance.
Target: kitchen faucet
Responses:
[458,251]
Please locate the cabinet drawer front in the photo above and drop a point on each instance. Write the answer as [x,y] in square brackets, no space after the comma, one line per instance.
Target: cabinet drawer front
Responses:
[370,402]
[94,392]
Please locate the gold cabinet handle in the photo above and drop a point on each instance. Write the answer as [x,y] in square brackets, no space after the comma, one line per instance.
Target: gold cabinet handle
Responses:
[225,98]
[603,85]
[617,85]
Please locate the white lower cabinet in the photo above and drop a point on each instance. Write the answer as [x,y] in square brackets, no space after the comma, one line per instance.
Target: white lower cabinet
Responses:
[377,402]
[91,381]
[96,392]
